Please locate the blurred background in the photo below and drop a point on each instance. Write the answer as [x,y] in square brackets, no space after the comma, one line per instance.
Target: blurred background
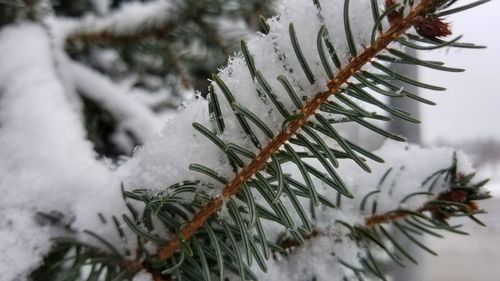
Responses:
[466,117]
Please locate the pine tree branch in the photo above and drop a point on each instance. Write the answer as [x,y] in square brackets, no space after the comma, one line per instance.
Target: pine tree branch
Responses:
[398,215]
[130,24]
[132,116]
[157,19]
[459,199]
[259,162]
[107,36]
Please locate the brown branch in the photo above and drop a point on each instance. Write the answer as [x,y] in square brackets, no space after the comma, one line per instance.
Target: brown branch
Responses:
[158,20]
[388,218]
[247,172]
[290,243]
[453,196]
[105,36]
[131,265]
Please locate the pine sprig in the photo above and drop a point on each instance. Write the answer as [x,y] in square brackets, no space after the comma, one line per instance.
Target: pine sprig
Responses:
[262,190]
[458,198]
[309,109]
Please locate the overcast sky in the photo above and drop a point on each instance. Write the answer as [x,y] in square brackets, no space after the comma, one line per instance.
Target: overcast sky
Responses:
[470,109]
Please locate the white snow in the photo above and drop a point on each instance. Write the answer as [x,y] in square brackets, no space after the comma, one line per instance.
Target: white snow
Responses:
[143,276]
[46,162]
[101,6]
[317,258]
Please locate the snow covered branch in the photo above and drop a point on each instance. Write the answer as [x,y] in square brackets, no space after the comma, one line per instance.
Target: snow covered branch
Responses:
[133,118]
[387,201]
[309,109]
[132,22]
[261,164]
[47,164]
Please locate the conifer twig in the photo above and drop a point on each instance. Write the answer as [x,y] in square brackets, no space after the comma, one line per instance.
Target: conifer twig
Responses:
[246,173]
[106,36]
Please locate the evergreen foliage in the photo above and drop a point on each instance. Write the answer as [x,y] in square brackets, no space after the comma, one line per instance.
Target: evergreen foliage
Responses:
[277,128]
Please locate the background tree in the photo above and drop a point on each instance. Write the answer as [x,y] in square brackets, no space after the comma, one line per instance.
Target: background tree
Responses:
[159,67]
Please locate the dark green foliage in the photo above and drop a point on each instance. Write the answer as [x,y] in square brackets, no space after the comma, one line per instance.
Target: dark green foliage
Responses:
[177,65]
[100,126]
[67,257]
[8,13]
